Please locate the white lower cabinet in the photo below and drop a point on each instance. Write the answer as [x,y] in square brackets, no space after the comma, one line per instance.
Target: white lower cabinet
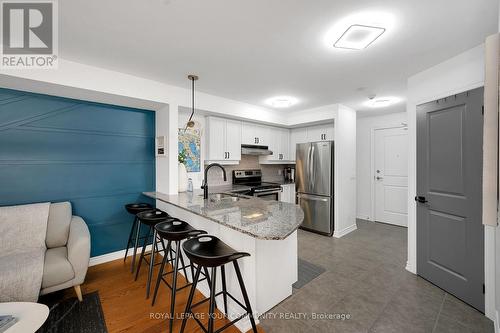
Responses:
[288,193]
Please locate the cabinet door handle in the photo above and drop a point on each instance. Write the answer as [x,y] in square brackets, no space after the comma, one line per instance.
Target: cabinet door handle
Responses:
[258,140]
[225,155]
[228,155]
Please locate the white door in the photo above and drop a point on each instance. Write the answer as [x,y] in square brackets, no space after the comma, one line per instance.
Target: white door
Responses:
[391,176]
[233,140]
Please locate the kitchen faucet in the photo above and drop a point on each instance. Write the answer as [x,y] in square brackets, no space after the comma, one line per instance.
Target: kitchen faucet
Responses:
[204,185]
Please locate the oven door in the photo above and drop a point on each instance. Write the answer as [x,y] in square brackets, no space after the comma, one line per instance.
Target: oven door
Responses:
[271,195]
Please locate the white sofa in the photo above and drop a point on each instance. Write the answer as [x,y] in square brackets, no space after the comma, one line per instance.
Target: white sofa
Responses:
[68,250]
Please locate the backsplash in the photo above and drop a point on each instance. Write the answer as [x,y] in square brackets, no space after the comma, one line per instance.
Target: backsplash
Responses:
[269,171]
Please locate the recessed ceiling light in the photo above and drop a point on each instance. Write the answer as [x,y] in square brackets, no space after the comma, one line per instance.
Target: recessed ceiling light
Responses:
[382,102]
[358,37]
[281,101]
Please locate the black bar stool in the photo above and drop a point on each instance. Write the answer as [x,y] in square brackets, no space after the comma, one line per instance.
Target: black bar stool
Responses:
[151,218]
[134,209]
[209,251]
[175,231]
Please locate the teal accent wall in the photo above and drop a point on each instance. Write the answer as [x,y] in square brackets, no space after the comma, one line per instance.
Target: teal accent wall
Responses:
[99,157]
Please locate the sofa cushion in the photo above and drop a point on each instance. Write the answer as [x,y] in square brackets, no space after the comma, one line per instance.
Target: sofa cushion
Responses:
[57,269]
[58,224]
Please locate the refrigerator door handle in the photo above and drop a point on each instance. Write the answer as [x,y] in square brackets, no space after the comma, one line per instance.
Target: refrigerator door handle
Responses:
[312,197]
[309,166]
[313,176]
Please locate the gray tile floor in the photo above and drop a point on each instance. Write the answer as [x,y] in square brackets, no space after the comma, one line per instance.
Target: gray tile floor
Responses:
[366,280]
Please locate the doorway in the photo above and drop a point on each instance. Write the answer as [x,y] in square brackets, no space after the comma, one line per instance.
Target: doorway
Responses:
[450,234]
[390,175]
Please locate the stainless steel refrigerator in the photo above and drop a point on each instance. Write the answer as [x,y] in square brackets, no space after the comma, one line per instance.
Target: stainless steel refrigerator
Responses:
[314,185]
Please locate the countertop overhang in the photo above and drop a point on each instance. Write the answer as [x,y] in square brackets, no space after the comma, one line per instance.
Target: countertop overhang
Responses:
[261,219]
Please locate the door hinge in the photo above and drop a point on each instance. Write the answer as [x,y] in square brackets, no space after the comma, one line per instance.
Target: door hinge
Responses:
[482,110]
[484,289]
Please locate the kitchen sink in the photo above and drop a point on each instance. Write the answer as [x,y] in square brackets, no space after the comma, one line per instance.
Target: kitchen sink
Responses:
[225,197]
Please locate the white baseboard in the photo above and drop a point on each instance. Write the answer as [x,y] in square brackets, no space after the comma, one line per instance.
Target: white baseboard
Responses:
[345,231]
[114,255]
[410,268]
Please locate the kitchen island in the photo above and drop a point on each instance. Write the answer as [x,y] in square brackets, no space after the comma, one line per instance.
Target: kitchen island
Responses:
[265,229]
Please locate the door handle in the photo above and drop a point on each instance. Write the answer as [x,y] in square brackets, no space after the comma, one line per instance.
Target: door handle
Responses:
[420,199]
[379,178]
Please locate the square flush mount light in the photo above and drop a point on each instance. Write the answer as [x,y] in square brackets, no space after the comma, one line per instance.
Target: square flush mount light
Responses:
[358,37]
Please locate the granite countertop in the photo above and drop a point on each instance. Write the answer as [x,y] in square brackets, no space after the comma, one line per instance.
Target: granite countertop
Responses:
[269,220]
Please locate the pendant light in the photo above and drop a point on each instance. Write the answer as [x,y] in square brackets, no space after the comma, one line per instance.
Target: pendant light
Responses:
[190,123]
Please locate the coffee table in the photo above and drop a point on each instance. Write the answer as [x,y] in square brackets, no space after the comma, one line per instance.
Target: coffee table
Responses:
[30,316]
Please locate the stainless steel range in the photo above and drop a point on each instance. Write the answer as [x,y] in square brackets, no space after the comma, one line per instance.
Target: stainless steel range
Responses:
[258,188]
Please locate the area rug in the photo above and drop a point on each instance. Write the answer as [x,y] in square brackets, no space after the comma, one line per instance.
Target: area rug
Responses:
[307,272]
[72,316]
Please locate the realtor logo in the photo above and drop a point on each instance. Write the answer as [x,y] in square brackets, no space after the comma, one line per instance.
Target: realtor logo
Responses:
[29,34]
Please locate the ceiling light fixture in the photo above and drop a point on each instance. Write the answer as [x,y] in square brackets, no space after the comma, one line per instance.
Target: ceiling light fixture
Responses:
[282,101]
[358,37]
[382,102]
[360,29]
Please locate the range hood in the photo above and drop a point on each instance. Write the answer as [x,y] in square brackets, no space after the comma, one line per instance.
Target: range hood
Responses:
[255,150]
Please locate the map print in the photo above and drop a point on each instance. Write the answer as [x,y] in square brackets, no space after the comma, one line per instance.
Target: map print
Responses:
[190,142]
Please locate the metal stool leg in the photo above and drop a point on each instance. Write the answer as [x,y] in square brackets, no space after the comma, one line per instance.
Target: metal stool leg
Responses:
[211,311]
[174,286]
[179,253]
[245,295]
[151,264]
[224,289]
[136,243]
[190,299]
[205,270]
[144,244]
[130,238]
[160,274]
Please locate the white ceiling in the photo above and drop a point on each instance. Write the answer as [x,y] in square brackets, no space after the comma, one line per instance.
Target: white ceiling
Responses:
[252,50]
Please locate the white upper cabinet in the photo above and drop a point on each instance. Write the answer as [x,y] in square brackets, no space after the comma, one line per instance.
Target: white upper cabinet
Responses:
[284,144]
[233,140]
[297,135]
[224,140]
[253,134]
[279,144]
[320,133]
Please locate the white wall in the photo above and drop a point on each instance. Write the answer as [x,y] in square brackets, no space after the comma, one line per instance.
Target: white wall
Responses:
[458,74]
[365,126]
[345,171]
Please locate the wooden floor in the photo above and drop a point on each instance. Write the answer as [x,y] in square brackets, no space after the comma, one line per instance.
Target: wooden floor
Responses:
[126,308]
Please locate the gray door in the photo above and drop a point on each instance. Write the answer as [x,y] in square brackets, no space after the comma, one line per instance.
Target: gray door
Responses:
[318,213]
[321,166]
[450,236]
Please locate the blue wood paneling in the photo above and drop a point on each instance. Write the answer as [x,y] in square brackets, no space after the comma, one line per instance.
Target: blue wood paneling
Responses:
[99,157]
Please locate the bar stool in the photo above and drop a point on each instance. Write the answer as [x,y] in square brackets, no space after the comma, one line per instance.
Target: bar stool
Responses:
[175,231]
[133,209]
[209,251]
[151,218]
